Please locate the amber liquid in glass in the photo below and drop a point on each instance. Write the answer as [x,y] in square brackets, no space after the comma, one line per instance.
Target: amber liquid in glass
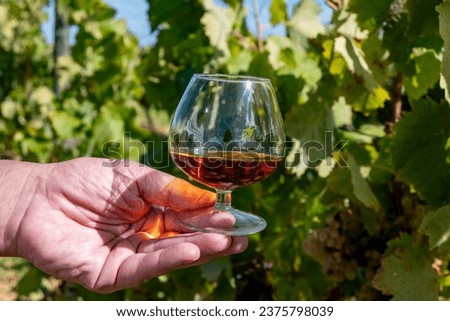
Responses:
[227,169]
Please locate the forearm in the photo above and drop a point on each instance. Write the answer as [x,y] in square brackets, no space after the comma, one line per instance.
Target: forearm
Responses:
[19,182]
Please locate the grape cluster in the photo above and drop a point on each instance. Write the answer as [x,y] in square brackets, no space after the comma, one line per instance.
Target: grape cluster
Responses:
[347,253]
[330,248]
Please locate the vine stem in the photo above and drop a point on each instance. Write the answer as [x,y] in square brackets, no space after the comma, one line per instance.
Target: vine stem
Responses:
[258,25]
[397,97]
[397,107]
[334,4]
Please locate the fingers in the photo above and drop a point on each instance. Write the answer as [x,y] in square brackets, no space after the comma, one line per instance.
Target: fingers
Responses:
[238,245]
[142,266]
[207,243]
[157,257]
[211,245]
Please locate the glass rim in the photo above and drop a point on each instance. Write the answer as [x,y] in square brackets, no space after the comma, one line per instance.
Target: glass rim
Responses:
[231,78]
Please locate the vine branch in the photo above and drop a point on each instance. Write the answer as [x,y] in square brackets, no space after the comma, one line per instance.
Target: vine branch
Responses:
[397,107]
[335,4]
[258,25]
[397,98]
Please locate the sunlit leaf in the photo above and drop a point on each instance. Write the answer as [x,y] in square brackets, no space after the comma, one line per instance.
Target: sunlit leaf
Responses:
[67,69]
[355,60]
[218,22]
[305,19]
[42,96]
[426,74]
[342,113]
[64,124]
[348,26]
[278,11]
[8,108]
[239,63]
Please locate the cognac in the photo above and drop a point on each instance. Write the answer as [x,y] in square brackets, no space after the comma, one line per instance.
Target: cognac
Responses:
[227,169]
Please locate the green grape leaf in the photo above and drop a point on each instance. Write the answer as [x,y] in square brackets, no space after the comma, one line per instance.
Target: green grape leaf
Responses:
[108,127]
[308,69]
[436,225]
[375,95]
[444,29]
[218,22]
[291,60]
[260,66]
[67,69]
[42,96]
[166,11]
[349,182]
[339,182]
[347,25]
[8,108]
[64,124]
[180,34]
[30,282]
[305,20]
[406,272]
[309,123]
[372,14]
[239,63]
[418,150]
[278,11]
[233,3]
[342,113]
[33,149]
[426,74]
[281,52]
[423,18]
[361,188]
[97,8]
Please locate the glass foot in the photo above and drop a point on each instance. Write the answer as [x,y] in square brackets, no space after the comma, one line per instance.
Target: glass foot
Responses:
[229,221]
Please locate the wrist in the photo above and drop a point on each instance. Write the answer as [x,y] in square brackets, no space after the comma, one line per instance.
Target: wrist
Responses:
[19,184]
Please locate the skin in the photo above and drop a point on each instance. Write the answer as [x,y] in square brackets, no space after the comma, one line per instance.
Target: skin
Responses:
[104,225]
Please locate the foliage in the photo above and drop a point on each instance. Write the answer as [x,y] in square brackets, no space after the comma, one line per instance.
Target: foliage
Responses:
[360,208]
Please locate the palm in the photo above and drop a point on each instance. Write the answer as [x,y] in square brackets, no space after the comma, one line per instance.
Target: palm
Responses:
[105,227]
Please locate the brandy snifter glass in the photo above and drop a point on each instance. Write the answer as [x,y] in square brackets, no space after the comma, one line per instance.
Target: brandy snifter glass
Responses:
[227,132]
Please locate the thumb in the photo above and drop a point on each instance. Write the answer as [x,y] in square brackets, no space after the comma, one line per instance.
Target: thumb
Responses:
[166,190]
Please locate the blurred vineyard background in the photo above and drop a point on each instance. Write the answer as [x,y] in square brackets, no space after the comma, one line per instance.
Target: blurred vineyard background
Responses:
[367,217]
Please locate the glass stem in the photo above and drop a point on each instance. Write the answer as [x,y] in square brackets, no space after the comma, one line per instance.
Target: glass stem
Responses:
[223,200]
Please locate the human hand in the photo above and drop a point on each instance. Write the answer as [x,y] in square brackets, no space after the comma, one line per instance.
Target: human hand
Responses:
[112,227]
